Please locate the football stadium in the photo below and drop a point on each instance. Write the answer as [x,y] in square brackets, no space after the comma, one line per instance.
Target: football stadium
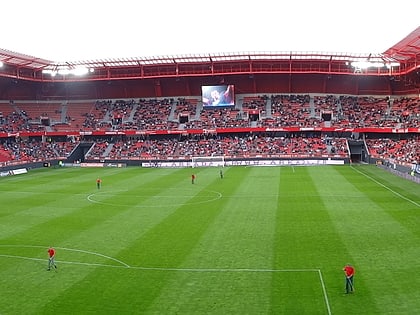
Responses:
[247,182]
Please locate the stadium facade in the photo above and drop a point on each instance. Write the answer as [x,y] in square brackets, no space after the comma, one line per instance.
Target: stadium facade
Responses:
[261,81]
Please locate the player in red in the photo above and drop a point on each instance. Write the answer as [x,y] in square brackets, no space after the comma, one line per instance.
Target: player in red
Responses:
[192,179]
[349,273]
[98,183]
[51,258]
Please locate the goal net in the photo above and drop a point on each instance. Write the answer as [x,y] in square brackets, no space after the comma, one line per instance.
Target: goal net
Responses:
[204,161]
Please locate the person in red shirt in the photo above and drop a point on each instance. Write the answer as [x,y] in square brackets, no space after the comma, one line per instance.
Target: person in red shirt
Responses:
[192,179]
[98,183]
[51,258]
[349,273]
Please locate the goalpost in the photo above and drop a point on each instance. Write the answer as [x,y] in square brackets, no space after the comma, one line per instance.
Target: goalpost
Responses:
[204,161]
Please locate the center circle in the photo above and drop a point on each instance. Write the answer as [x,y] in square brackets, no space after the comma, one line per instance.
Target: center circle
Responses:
[154,197]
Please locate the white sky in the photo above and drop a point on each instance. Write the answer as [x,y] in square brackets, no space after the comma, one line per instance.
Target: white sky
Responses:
[79,30]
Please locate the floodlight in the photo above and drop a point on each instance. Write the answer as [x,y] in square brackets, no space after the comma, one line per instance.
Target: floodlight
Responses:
[367,64]
[63,71]
[360,64]
[392,64]
[79,71]
[377,64]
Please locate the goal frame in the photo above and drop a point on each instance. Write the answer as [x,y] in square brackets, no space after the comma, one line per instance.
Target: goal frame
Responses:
[208,161]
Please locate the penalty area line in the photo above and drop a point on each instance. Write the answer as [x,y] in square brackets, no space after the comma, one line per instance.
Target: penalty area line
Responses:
[66,249]
[122,265]
[64,262]
[125,266]
[203,270]
[324,291]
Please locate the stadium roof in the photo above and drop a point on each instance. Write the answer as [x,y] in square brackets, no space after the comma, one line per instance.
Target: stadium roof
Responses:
[408,48]
[104,38]
[401,59]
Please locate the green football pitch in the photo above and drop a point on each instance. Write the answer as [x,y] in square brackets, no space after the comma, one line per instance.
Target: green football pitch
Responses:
[262,240]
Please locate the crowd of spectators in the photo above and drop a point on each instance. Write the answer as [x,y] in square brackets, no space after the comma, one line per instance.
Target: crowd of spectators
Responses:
[290,111]
[263,111]
[275,111]
[229,146]
[34,150]
[400,151]
[255,146]
[17,121]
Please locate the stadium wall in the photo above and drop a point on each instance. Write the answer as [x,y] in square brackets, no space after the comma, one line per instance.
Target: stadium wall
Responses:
[190,86]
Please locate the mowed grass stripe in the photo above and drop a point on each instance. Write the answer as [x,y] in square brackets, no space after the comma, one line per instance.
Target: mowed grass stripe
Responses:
[78,229]
[55,185]
[406,188]
[305,231]
[398,197]
[240,236]
[305,239]
[338,198]
[28,275]
[304,222]
[47,230]
[128,214]
[76,211]
[29,190]
[393,239]
[50,206]
[378,245]
[113,222]
[33,203]
[164,244]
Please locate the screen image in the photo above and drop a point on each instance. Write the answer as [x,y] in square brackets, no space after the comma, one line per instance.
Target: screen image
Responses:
[218,95]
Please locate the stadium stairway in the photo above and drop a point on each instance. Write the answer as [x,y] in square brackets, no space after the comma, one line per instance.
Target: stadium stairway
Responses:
[268,111]
[108,150]
[130,118]
[198,110]
[64,112]
[312,106]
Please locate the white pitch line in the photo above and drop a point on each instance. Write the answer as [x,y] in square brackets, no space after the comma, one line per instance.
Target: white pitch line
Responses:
[386,187]
[217,196]
[23,257]
[225,270]
[324,290]
[71,250]
[125,266]
[64,262]
[96,254]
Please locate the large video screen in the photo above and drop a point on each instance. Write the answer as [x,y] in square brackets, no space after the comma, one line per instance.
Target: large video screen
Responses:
[218,95]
